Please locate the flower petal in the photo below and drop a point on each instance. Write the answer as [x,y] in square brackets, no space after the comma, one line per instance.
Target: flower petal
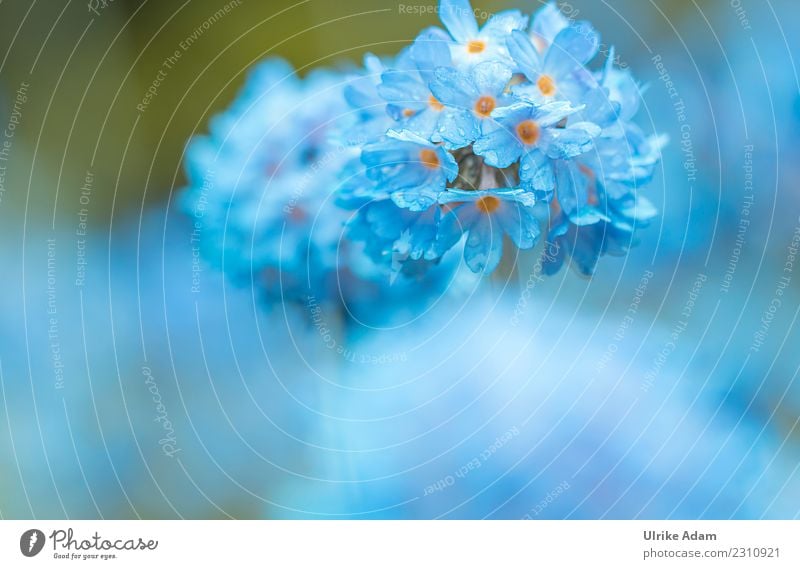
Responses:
[536,171]
[498,146]
[484,247]
[431,50]
[524,55]
[459,19]
[458,128]
[519,223]
[491,77]
[453,88]
[573,47]
[503,23]
[548,22]
[416,199]
[571,141]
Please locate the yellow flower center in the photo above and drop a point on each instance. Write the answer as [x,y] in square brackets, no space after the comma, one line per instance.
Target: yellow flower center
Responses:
[429,158]
[435,104]
[484,106]
[487,204]
[528,132]
[476,46]
[546,85]
[408,113]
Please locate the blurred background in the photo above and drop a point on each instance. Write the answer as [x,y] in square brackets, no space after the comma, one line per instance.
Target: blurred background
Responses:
[664,387]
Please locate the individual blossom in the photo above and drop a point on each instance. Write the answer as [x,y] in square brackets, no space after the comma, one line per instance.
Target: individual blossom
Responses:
[412,170]
[485,216]
[471,44]
[530,133]
[405,87]
[611,232]
[469,97]
[559,70]
[387,229]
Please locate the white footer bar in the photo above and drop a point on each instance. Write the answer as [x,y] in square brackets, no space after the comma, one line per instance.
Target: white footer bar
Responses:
[389,544]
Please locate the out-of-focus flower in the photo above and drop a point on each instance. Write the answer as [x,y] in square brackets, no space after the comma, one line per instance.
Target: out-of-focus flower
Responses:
[486,424]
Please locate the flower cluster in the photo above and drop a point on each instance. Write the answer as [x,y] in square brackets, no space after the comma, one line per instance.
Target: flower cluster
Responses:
[481,135]
[263,187]
[471,138]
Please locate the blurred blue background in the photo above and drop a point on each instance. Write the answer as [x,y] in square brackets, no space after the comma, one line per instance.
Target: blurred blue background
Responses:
[664,387]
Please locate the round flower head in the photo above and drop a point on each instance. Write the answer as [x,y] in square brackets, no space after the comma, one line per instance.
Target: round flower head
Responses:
[498,109]
[264,181]
[382,171]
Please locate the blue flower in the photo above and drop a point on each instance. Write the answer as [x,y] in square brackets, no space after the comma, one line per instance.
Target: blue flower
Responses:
[621,88]
[470,98]
[532,133]
[610,232]
[406,86]
[388,229]
[262,179]
[411,169]
[412,152]
[546,25]
[485,217]
[368,118]
[559,71]
[472,45]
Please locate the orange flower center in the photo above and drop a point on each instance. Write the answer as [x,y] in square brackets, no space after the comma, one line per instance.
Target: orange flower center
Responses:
[485,106]
[546,85]
[487,204]
[435,104]
[408,113]
[555,207]
[528,132]
[591,198]
[429,158]
[476,46]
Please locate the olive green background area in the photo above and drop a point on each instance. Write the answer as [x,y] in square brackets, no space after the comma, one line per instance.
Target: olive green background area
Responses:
[88,72]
